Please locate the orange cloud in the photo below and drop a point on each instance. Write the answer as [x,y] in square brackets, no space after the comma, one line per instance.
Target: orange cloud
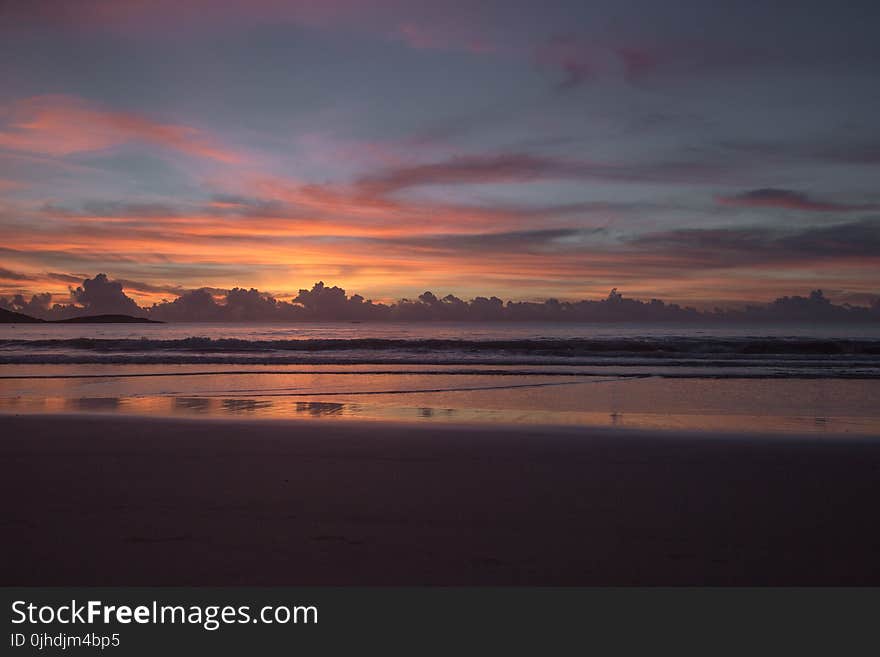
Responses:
[7,185]
[375,237]
[59,125]
[517,265]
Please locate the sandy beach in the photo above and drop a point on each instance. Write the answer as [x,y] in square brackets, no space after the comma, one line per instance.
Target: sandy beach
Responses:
[104,500]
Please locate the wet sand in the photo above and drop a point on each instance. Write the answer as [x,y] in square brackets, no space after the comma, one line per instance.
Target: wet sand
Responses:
[110,500]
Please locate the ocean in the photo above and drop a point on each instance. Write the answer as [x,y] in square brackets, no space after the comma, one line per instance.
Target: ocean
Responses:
[767,379]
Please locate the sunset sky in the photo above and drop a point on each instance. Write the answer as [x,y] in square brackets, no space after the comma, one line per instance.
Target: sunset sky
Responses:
[690,151]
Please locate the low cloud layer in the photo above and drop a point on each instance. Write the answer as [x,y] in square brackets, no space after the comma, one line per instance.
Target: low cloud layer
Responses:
[100,295]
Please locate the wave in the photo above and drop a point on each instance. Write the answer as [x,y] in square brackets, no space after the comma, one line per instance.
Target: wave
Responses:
[662,356]
[566,347]
[852,366]
[323,372]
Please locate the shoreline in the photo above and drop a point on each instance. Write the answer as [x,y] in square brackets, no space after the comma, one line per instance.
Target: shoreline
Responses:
[448,428]
[128,500]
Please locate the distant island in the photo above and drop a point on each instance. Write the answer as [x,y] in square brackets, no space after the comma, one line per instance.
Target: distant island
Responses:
[10,317]
[107,319]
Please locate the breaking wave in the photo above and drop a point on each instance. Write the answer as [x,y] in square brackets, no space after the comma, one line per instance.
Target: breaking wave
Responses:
[836,357]
[550,346]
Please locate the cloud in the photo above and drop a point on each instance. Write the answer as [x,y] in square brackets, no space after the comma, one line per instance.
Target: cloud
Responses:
[426,37]
[863,152]
[502,168]
[580,59]
[191,304]
[783,198]
[326,303]
[525,167]
[62,125]
[36,306]
[139,15]
[737,247]
[9,275]
[519,242]
[9,185]
[422,26]
[101,296]
[829,149]
[856,239]
[65,278]
[150,288]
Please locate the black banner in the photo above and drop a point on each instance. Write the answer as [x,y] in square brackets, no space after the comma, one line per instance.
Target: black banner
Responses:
[150,621]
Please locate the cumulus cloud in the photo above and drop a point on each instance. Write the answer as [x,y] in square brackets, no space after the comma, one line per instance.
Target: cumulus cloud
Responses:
[101,296]
[36,306]
[193,305]
[332,303]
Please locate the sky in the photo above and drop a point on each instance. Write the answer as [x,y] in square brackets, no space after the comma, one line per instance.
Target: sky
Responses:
[698,152]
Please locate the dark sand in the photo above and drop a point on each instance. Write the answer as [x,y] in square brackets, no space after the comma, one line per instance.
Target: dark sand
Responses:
[113,500]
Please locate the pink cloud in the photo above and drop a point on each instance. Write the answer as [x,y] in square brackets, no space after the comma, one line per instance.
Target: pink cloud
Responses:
[61,125]
[419,25]
[327,148]
[582,59]
[139,15]
[422,37]
[8,185]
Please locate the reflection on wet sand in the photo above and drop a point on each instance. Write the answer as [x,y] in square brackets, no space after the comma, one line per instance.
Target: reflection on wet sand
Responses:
[192,404]
[208,407]
[319,409]
[238,406]
[829,406]
[427,412]
[96,404]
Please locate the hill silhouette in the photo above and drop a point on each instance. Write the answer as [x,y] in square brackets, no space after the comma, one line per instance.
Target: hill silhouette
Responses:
[10,317]
[107,319]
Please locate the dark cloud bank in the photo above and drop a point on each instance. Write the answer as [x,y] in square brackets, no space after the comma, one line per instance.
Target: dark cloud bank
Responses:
[100,295]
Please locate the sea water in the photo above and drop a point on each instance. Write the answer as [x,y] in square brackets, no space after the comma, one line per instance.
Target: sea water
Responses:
[788,379]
